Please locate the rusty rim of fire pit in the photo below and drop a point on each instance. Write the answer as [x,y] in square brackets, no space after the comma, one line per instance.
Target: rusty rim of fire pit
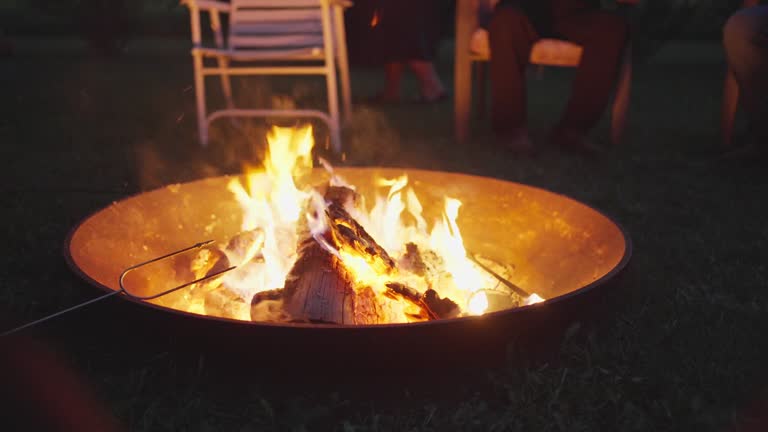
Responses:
[611,274]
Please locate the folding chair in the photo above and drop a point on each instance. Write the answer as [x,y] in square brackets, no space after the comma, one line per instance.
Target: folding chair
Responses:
[272,37]
[472,48]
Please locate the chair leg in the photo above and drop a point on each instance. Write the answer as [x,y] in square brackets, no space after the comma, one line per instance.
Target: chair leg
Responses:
[346,91]
[343,65]
[481,71]
[202,120]
[462,97]
[620,108]
[466,23]
[226,84]
[333,108]
[730,105]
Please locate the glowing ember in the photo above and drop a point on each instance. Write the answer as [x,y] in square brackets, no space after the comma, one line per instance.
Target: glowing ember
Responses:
[533,299]
[398,269]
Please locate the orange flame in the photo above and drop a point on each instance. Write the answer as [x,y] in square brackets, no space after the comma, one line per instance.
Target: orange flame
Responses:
[273,204]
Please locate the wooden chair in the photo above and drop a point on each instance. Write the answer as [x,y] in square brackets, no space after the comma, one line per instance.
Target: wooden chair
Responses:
[731,97]
[272,37]
[545,52]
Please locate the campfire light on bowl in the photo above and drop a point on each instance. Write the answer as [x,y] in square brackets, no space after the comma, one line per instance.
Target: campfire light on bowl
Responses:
[320,254]
[355,247]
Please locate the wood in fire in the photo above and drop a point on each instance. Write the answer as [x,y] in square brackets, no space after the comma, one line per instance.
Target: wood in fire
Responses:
[319,288]
[431,304]
[216,299]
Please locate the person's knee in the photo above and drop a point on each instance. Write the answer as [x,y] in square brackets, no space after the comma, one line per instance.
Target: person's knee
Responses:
[510,29]
[509,19]
[609,35]
[742,27]
[614,28]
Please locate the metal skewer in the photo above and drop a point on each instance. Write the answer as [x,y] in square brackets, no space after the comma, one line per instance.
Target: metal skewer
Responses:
[514,288]
[122,289]
[160,258]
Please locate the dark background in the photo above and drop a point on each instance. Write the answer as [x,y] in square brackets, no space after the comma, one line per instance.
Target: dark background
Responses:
[85,124]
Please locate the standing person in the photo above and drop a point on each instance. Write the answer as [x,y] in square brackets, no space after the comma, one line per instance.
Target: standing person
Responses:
[745,38]
[407,34]
[514,27]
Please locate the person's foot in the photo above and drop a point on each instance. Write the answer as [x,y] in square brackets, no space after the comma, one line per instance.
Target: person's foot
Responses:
[517,142]
[574,141]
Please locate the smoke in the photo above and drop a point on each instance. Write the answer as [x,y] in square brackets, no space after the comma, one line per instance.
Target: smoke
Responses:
[175,154]
[369,139]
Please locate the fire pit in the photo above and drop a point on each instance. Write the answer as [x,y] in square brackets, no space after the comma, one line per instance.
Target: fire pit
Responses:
[525,245]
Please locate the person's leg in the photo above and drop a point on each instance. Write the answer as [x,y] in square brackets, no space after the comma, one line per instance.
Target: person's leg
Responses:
[603,37]
[393,76]
[426,40]
[430,85]
[511,37]
[745,38]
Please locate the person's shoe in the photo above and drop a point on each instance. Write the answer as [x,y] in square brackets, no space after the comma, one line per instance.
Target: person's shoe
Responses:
[517,142]
[574,141]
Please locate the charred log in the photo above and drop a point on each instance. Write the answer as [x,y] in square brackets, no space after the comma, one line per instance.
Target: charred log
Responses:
[224,303]
[348,198]
[443,308]
[348,233]
[423,263]
[243,247]
[275,294]
[367,307]
[412,260]
[432,305]
[319,288]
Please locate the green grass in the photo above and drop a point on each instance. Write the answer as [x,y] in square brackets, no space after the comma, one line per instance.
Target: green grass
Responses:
[685,351]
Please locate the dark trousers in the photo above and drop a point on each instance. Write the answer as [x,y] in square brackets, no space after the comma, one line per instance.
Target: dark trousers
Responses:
[603,37]
[745,37]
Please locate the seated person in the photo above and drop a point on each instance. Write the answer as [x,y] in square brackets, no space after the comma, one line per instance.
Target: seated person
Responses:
[745,37]
[514,27]
[406,35]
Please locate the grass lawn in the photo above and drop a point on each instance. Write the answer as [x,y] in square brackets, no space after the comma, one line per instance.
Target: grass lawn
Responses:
[686,351]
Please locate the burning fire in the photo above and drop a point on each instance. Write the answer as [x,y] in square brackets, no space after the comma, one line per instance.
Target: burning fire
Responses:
[278,216]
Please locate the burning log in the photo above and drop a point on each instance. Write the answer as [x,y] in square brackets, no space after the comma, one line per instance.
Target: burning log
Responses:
[241,249]
[422,263]
[367,308]
[319,288]
[412,260]
[443,308]
[210,295]
[432,305]
[224,303]
[349,234]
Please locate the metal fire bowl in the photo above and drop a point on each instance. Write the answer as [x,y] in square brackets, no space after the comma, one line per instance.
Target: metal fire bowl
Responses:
[561,249]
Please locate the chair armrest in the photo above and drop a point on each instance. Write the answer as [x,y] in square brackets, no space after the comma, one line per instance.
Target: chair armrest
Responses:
[342,3]
[213,8]
[211,5]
